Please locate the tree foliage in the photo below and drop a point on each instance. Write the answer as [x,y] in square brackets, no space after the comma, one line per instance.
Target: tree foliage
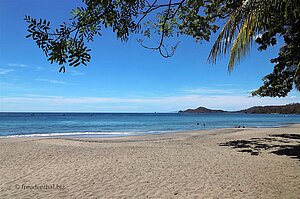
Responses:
[286,72]
[244,19]
[270,18]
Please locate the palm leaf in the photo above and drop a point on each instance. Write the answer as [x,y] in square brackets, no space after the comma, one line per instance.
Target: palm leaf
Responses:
[250,18]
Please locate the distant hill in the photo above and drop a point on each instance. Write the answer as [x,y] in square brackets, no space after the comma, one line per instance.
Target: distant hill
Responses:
[285,109]
[202,110]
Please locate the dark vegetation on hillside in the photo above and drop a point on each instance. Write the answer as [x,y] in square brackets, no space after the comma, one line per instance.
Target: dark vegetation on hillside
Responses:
[284,109]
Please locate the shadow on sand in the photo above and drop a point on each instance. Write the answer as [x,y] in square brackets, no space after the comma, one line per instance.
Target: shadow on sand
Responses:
[279,144]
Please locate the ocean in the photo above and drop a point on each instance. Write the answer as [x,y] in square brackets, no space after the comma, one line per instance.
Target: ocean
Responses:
[125,124]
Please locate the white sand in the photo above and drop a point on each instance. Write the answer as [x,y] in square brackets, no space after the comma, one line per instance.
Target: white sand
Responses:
[181,165]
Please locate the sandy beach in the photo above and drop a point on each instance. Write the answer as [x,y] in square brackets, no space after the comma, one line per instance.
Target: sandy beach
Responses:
[221,163]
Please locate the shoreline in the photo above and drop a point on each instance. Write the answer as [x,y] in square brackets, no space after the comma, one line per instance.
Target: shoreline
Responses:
[218,163]
[126,134]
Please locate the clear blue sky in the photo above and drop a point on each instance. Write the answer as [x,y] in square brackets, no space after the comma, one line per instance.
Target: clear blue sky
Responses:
[122,77]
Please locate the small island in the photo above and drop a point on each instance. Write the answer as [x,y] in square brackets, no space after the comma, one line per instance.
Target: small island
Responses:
[283,109]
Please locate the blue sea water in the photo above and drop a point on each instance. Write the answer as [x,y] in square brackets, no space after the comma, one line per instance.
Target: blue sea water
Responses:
[124,124]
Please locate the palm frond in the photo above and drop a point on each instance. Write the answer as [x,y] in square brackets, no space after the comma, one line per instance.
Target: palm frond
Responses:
[249,19]
[242,42]
[224,39]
